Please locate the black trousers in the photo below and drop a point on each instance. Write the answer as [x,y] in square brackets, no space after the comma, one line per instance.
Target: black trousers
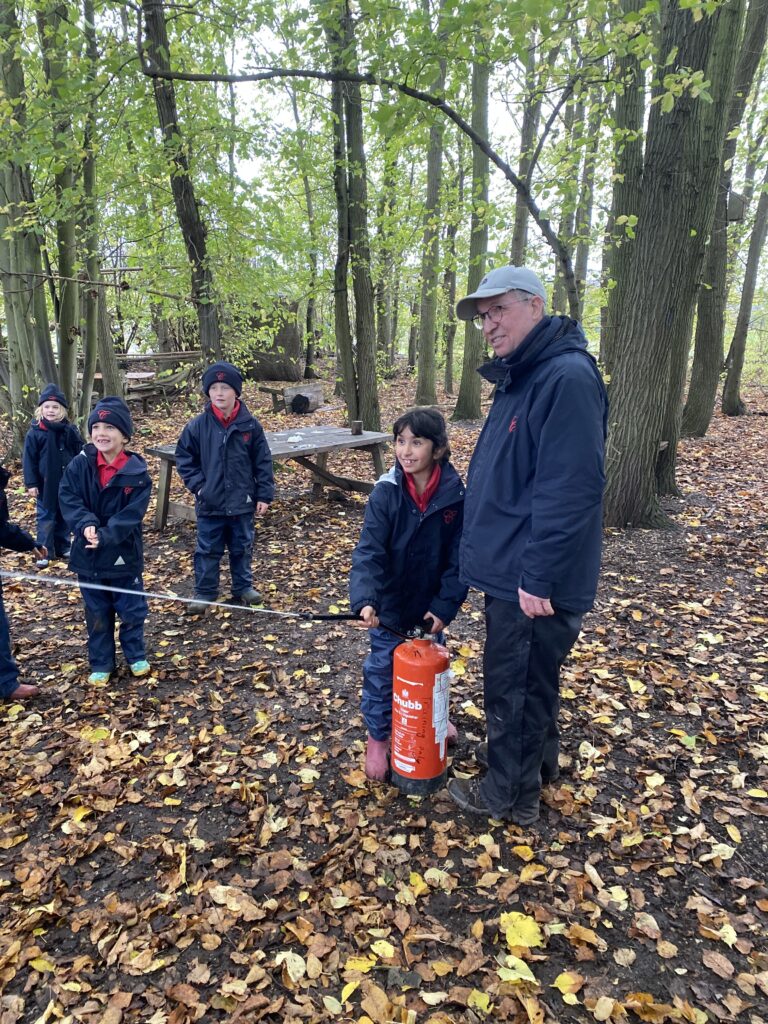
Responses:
[521,667]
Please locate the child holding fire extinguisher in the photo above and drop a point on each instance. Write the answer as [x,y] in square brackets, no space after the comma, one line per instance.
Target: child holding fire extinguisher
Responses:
[405,568]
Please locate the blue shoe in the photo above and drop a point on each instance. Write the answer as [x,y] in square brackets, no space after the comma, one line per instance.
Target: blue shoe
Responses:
[99,678]
[140,668]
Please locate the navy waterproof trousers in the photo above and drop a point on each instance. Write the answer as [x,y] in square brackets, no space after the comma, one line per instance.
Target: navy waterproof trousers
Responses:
[52,531]
[521,667]
[102,608]
[9,670]
[214,534]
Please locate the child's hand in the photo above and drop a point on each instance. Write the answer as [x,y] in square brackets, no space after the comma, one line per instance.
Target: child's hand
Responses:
[91,537]
[32,492]
[369,617]
[261,507]
[437,623]
[41,552]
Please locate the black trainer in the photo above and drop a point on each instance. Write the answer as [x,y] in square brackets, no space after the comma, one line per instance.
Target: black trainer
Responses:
[481,756]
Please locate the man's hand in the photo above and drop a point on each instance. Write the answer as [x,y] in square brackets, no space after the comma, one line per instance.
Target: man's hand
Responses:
[533,606]
[437,623]
[369,617]
[261,507]
[41,552]
[91,537]
[32,492]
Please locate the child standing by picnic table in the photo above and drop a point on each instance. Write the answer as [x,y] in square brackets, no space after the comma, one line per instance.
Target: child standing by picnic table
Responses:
[51,443]
[104,495]
[405,567]
[224,459]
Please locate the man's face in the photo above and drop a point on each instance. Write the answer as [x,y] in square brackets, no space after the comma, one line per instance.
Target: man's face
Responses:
[512,318]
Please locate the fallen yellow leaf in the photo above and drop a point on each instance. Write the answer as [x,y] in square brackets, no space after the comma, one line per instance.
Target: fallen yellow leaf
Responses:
[520,930]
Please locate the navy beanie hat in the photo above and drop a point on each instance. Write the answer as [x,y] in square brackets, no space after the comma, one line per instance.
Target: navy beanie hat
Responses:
[51,393]
[114,411]
[223,373]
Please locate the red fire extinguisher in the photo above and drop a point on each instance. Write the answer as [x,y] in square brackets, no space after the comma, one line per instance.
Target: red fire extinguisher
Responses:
[420,691]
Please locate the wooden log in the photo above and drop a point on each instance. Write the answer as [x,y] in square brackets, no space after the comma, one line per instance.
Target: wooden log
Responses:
[304,398]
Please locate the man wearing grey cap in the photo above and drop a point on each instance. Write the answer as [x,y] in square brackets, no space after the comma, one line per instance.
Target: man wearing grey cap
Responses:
[532,531]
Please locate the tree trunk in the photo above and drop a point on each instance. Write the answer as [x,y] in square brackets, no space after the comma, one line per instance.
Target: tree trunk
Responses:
[573,128]
[531,113]
[53,19]
[92,285]
[360,249]
[710,321]
[193,229]
[30,356]
[654,305]
[344,348]
[583,218]
[732,403]
[111,377]
[720,74]
[627,183]
[310,326]
[430,258]
[468,402]
[413,334]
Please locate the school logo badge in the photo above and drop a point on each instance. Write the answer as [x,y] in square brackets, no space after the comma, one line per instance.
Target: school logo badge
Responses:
[103,413]
[449,515]
[220,375]
[513,424]
[127,490]
[246,438]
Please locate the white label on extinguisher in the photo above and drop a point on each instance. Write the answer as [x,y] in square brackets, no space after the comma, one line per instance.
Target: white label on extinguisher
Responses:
[440,696]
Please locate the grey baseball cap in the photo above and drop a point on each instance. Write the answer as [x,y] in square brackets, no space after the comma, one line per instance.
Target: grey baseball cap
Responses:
[497,282]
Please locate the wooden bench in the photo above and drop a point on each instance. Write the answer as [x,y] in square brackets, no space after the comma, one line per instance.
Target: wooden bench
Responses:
[310,447]
[283,399]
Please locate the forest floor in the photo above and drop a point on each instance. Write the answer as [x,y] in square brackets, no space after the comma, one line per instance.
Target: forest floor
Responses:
[203,845]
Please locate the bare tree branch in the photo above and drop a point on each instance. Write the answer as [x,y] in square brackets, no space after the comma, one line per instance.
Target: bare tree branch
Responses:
[151,70]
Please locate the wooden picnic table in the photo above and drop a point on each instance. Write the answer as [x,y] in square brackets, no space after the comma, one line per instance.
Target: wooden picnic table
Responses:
[309,446]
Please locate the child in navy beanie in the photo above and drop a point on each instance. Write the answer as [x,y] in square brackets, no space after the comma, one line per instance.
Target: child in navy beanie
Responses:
[224,459]
[51,443]
[104,495]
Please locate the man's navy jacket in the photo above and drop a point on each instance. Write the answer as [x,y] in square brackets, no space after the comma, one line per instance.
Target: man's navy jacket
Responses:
[533,511]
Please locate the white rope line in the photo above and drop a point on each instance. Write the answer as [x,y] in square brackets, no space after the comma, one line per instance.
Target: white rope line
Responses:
[61,581]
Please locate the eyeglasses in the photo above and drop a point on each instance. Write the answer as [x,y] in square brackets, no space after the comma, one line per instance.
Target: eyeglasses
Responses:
[495,313]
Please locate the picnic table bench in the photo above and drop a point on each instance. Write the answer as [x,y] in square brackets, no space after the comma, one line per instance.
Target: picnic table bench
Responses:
[310,447]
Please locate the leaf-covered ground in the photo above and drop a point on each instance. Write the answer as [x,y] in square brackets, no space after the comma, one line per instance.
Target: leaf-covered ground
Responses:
[204,845]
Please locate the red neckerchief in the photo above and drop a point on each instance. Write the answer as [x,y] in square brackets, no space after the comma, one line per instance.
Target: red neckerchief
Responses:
[226,420]
[423,500]
[107,470]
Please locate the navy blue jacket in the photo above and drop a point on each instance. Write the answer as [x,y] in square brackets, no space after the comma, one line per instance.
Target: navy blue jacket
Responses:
[533,512]
[116,511]
[11,536]
[48,450]
[406,562]
[228,469]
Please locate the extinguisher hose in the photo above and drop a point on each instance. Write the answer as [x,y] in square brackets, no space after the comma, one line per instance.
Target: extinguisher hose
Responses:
[416,633]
